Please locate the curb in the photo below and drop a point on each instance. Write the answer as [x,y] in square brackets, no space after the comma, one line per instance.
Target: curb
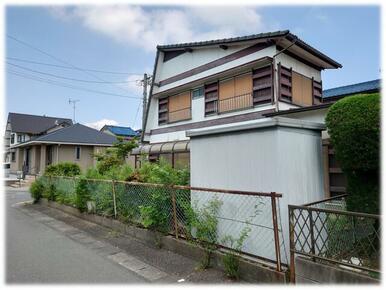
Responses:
[249,271]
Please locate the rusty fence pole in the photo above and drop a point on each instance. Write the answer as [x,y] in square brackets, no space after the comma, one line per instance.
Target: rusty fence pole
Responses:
[292,243]
[312,234]
[114,200]
[174,212]
[276,231]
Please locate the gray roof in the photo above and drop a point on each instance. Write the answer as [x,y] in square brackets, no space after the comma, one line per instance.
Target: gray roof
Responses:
[359,88]
[225,40]
[267,35]
[33,124]
[77,134]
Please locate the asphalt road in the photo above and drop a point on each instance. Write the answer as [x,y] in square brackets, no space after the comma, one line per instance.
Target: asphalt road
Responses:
[36,253]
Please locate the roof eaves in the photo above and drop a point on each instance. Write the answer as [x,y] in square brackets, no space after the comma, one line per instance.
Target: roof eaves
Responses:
[225,40]
[312,50]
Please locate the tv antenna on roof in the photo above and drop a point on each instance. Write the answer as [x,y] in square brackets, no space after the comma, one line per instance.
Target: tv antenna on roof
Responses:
[73,102]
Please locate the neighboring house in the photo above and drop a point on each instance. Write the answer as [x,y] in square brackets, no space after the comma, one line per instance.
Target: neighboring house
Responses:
[76,143]
[24,127]
[219,82]
[118,131]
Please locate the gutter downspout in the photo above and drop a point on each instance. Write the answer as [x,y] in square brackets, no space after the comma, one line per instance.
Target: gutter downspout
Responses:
[275,74]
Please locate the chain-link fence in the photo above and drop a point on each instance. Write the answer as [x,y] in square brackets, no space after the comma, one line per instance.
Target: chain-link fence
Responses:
[326,232]
[248,222]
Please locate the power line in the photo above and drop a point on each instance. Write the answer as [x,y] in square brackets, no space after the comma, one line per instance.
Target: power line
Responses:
[61,84]
[136,115]
[67,78]
[58,59]
[69,67]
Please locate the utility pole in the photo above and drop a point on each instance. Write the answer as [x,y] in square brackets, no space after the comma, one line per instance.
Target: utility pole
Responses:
[73,102]
[145,83]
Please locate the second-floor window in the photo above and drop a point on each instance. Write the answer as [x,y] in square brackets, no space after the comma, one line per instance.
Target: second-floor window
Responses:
[235,93]
[297,88]
[174,108]
[19,138]
[13,139]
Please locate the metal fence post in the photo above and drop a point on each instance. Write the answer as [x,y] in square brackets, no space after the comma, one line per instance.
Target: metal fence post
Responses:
[292,243]
[114,200]
[174,212]
[312,234]
[276,231]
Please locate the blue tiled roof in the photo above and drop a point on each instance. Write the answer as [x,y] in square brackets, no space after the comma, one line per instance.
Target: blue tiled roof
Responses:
[122,131]
[364,87]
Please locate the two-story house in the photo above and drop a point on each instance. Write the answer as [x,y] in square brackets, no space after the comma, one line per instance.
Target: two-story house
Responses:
[22,128]
[209,83]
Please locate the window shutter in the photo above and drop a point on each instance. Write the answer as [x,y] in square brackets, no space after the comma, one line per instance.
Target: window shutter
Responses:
[163,110]
[317,92]
[211,98]
[285,83]
[302,90]
[179,107]
[262,85]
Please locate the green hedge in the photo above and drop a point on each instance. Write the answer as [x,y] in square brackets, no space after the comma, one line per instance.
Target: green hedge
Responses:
[63,169]
[354,127]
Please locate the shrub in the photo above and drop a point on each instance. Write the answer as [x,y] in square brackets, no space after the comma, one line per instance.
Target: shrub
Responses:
[63,169]
[354,127]
[50,192]
[122,172]
[155,214]
[36,189]
[115,155]
[162,172]
[82,195]
[231,259]
[202,225]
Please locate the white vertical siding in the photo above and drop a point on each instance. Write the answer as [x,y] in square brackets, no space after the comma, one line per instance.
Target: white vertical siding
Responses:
[284,160]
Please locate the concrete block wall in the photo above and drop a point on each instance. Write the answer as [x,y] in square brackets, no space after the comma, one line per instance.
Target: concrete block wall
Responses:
[309,272]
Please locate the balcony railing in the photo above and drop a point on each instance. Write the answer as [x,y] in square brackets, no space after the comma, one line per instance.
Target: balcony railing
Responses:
[180,115]
[235,103]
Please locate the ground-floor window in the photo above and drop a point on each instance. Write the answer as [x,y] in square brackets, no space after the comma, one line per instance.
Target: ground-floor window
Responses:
[77,152]
[13,156]
[335,181]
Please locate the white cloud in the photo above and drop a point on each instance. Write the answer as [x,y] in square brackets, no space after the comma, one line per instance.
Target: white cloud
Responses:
[99,124]
[145,28]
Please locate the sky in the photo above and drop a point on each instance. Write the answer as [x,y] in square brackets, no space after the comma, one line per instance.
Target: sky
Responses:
[98,54]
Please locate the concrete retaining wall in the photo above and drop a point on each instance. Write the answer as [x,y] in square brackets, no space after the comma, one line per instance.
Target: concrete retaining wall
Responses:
[309,272]
[249,271]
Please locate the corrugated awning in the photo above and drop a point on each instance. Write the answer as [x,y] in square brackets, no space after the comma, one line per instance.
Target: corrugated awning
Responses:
[159,148]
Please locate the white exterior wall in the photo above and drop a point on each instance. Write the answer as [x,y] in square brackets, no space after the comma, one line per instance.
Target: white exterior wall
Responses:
[269,51]
[198,114]
[199,57]
[283,160]
[191,60]
[298,66]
